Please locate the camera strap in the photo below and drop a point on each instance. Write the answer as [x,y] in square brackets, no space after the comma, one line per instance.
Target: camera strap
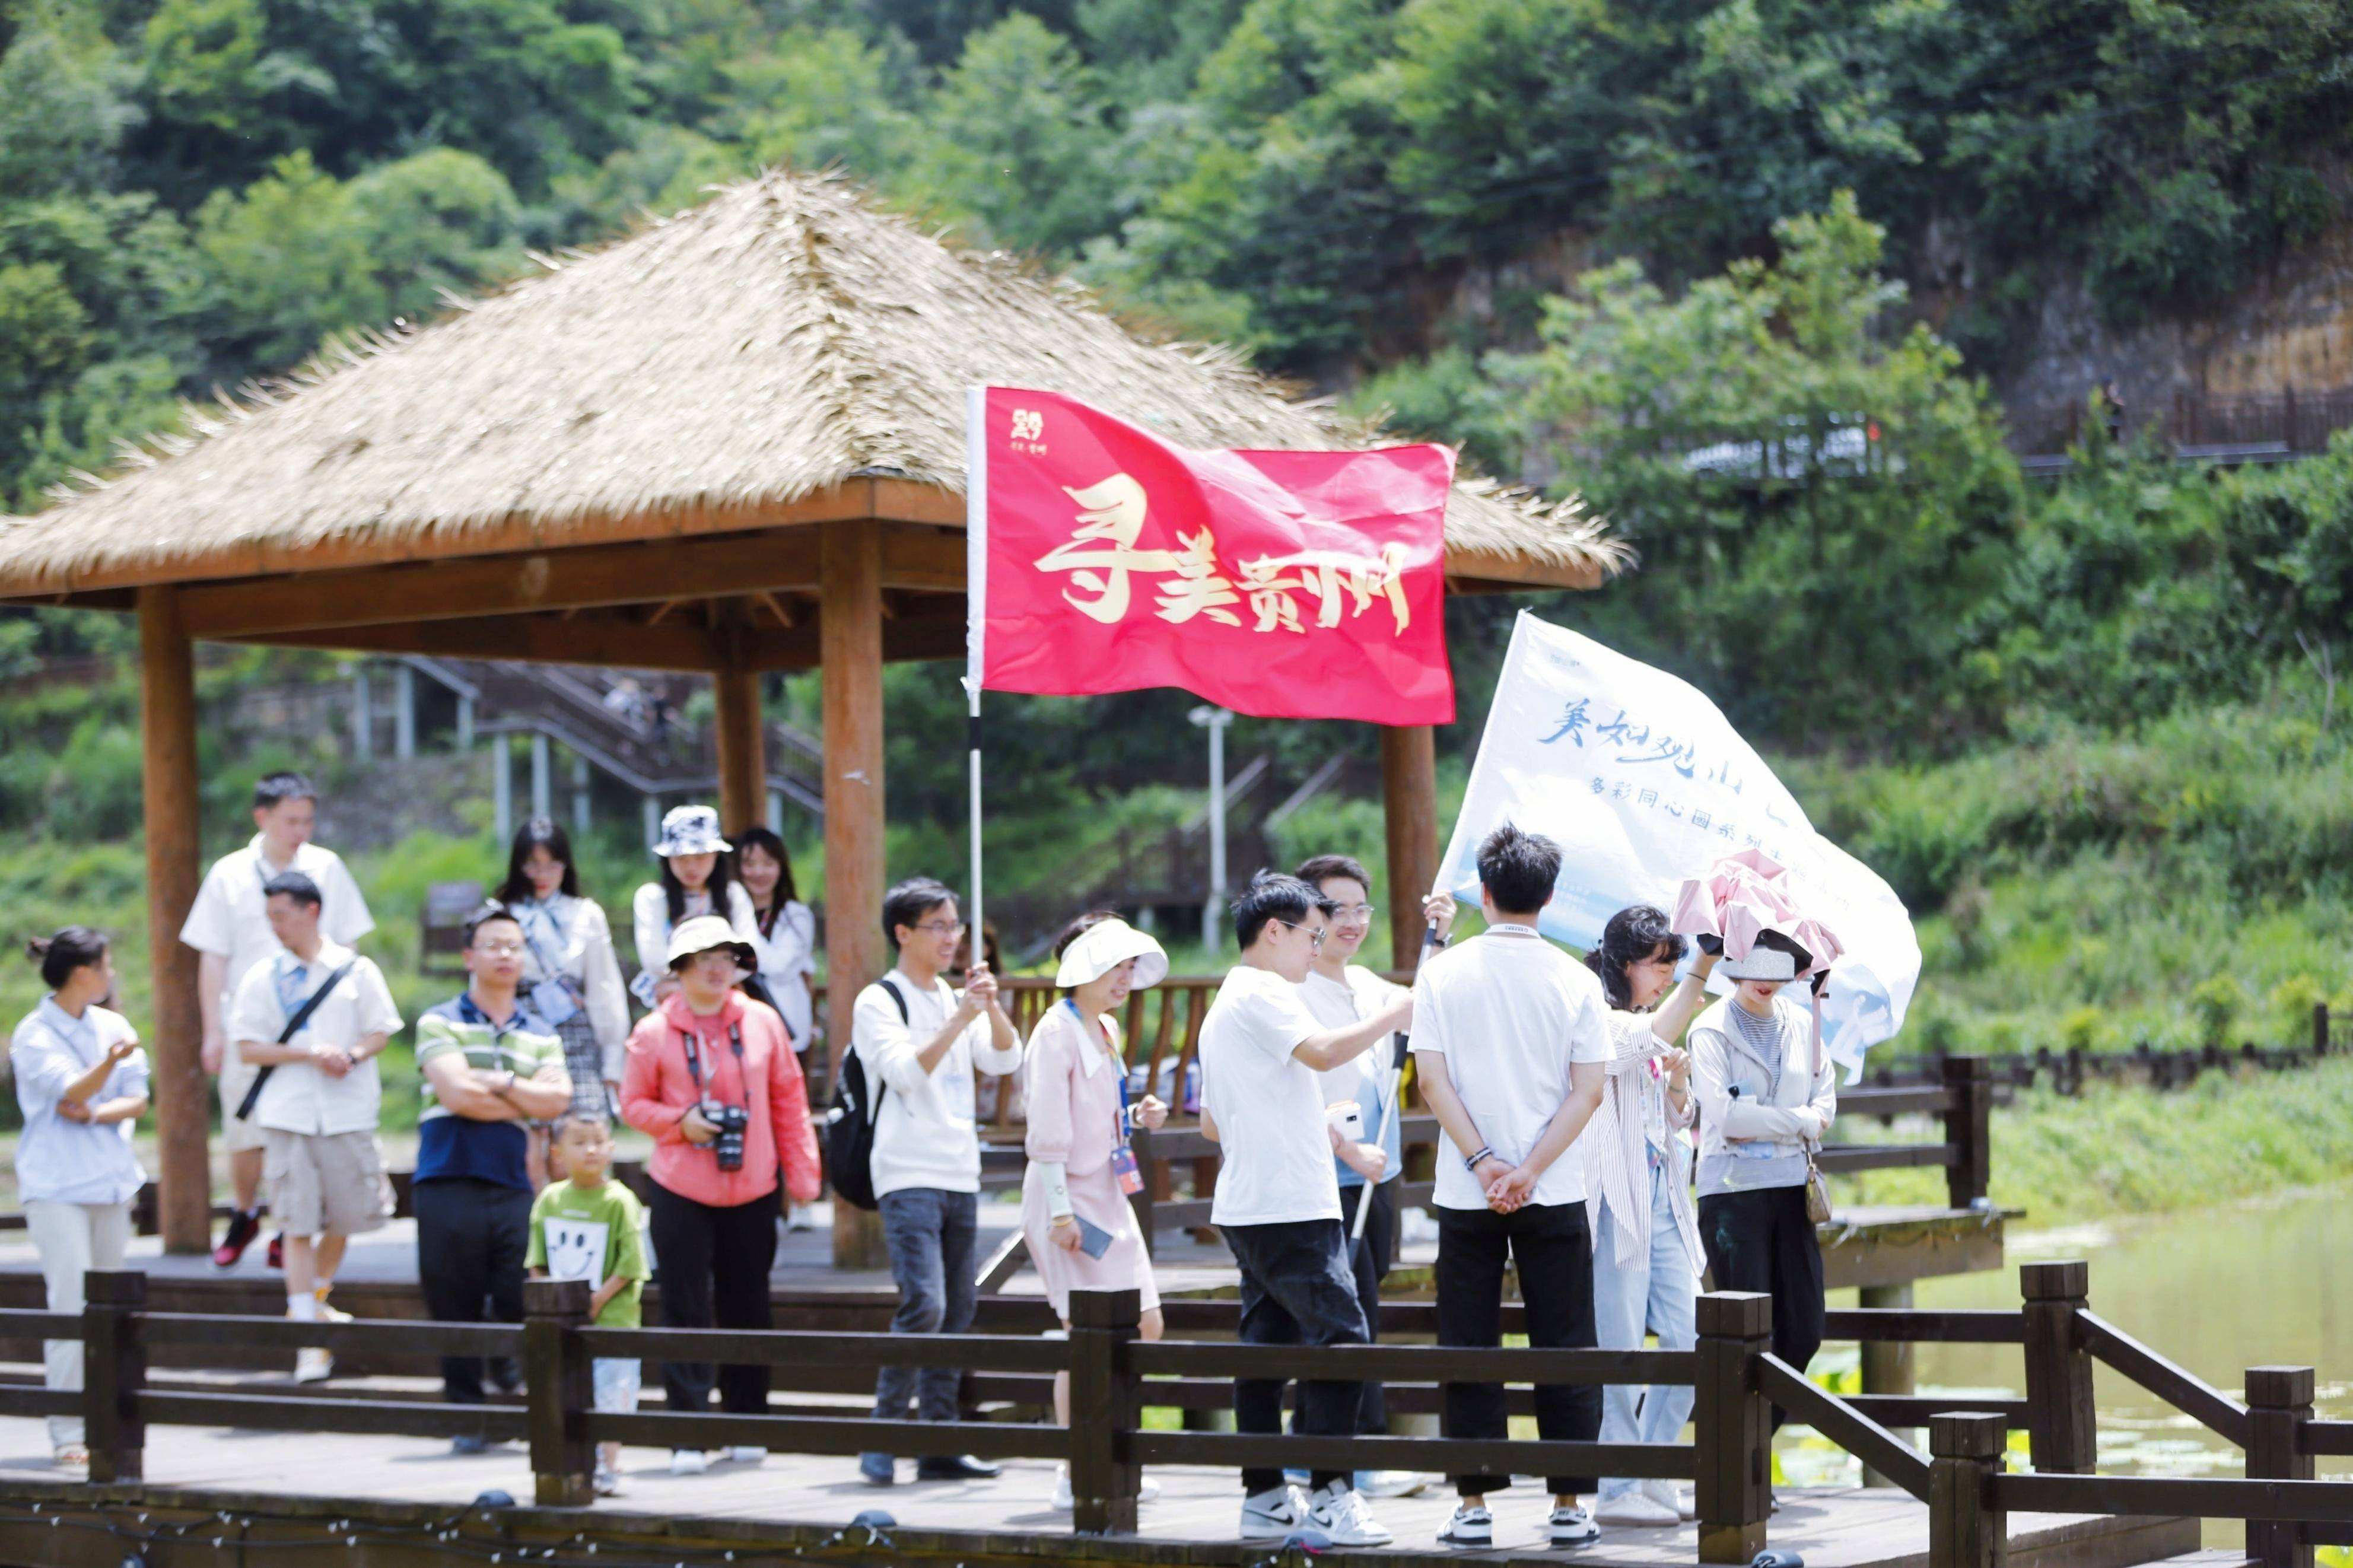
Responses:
[694,1057]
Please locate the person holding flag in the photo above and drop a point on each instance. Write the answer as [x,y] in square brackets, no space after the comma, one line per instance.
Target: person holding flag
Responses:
[1074,1209]
[1361,1102]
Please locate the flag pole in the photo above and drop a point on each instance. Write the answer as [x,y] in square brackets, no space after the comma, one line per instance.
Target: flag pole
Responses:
[976,580]
[1394,1105]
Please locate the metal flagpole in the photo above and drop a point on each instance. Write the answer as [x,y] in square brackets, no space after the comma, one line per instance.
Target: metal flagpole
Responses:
[1395,1104]
[976,582]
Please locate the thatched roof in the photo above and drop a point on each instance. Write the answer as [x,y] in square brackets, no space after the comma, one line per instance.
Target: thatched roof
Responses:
[782,339]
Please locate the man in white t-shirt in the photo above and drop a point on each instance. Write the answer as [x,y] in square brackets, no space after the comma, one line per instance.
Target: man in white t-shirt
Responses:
[1339,992]
[1277,1203]
[229,927]
[318,1109]
[1510,1040]
[921,1043]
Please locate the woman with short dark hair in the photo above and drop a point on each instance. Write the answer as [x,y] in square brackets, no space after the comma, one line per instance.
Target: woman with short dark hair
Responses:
[82,1081]
[570,973]
[1647,1257]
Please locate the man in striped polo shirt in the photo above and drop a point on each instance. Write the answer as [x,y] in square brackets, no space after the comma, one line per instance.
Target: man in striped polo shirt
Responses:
[491,1066]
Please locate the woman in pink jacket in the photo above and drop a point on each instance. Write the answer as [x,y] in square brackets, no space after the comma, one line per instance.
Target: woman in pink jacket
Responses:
[710,1075]
[1074,1212]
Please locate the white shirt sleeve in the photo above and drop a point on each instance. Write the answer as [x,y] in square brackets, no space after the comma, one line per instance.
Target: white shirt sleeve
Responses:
[888,1043]
[1588,1029]
[372,1010]
[600,983]
[1429,1016]
[649,914]
[211,925]
[42,1065]
[986,1056]
[253,1010]
[345,919]
[1280,1020]
[130,1074]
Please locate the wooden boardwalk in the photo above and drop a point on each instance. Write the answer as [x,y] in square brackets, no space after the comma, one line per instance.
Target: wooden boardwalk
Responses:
[795,1498]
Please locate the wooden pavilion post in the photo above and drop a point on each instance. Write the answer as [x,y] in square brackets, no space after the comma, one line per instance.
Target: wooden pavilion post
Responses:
[167,691]
[743,767]
[1410,797]
[850,650]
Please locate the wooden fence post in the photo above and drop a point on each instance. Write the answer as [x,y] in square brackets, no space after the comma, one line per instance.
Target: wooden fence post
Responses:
[2279,1401]
[113,1373]
[2321,1028]
[559,1391]
[1104,1399]
[1887,1364]
[2060,1420]
[1733,1429]
[1965,1529]
[1968,1129]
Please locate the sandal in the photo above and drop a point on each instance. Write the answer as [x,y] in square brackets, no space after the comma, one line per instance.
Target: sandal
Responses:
[72,1457]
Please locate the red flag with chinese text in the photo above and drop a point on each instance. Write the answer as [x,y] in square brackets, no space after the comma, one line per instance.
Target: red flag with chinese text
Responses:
[1281,585]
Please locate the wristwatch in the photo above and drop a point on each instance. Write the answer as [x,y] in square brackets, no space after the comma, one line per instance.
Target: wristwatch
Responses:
[1471,1161]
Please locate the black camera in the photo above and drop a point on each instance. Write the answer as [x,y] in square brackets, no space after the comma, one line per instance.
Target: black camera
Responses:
[731,1121]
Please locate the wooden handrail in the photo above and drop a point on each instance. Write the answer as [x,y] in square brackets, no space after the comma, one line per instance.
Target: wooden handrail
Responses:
[1844,1424]
[2178,1387]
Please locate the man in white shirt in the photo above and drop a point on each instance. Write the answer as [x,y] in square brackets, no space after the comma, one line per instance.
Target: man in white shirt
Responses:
[1510,1040]
[1339,992]
[921,1043]
[319,1106]
[1277,1203]
[229,929]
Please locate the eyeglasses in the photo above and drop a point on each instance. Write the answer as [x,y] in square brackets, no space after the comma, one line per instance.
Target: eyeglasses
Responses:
[945,928]
[499,949]
[1353,912]
[1315,934]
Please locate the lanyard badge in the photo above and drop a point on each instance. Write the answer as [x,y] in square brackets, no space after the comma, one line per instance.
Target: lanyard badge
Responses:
[1123,1157]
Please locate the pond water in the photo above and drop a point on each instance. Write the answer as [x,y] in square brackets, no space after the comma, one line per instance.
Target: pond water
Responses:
[2214,1290]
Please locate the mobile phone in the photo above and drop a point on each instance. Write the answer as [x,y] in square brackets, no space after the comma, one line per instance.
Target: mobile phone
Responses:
[1349,1118]
[1094,1239]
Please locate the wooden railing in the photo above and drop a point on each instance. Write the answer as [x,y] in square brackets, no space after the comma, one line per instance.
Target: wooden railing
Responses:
[1115,1375]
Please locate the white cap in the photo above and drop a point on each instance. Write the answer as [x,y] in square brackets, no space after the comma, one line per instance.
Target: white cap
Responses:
[1099,949]
[707,933]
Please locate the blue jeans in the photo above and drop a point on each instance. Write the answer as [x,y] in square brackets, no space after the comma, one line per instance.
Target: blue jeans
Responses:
[930,1234]
[1660,1291]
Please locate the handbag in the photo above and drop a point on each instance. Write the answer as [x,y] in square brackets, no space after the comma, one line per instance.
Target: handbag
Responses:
[1818,1190]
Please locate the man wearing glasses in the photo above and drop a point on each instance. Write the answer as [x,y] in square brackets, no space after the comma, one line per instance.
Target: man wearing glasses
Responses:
[922,1042]
[1278,1204]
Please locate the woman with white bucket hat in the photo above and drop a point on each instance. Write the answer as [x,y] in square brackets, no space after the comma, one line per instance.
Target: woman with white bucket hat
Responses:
[1074,1210]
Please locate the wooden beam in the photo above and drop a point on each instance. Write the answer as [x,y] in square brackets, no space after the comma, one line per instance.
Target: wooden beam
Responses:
[1409,801]
[1515,572]
[743,770]
[547,640]
[849,626]
[167,696]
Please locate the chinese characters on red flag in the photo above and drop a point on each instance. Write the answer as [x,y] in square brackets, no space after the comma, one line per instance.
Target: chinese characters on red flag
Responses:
[1281,584]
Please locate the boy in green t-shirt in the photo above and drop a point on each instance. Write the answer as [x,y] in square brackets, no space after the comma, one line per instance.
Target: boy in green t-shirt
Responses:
[589,1227]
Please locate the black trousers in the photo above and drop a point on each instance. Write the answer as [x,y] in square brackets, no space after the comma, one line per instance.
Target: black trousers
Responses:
[470,1239]
[1762,1240]
[712,1265]
[1369,1261]
[1297,1290]
[1554,1250]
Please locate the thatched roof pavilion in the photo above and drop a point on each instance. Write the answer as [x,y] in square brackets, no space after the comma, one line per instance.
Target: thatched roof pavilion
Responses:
[731,442]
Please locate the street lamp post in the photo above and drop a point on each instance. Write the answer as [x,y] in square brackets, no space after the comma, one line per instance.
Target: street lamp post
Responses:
[1215,719]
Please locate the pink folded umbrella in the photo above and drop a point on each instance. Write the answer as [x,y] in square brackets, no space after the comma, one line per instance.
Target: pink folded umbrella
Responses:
[1742,897]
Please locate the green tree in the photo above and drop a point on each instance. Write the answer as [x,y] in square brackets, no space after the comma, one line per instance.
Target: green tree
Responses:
[1016,139]
[64,103]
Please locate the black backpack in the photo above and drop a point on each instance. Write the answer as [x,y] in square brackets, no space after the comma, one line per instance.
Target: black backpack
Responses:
[850,1131]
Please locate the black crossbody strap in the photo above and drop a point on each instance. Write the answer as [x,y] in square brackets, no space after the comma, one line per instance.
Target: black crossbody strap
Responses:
[293,1027]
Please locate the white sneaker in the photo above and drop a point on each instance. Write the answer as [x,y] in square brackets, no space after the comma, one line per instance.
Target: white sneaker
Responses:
[1390,1483]
[331,1314]
[1637,1509]
[607,1482]
[1339,1511]
[689,1461]
[1571,1526]
[1063,1501]
[312,1365]
[1469,1527]
[1668,1494]
[745,1454]
[1273,1514]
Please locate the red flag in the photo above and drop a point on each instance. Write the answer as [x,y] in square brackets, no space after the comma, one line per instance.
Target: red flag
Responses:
[1282,584]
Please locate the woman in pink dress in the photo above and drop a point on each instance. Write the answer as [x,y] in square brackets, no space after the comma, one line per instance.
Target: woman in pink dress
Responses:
[1074,1212]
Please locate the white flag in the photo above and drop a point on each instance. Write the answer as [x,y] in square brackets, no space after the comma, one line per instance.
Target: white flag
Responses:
[1642,782]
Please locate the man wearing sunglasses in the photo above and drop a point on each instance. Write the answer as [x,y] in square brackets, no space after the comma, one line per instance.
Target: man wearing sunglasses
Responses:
[1278,1203]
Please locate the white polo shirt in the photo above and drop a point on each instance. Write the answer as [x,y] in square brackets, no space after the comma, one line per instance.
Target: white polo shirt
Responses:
[230,917]
[1267,1103]
[299,1096]
[1509,1012]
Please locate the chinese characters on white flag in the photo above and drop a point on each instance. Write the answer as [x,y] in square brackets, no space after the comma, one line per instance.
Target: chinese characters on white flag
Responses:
[1644,783]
